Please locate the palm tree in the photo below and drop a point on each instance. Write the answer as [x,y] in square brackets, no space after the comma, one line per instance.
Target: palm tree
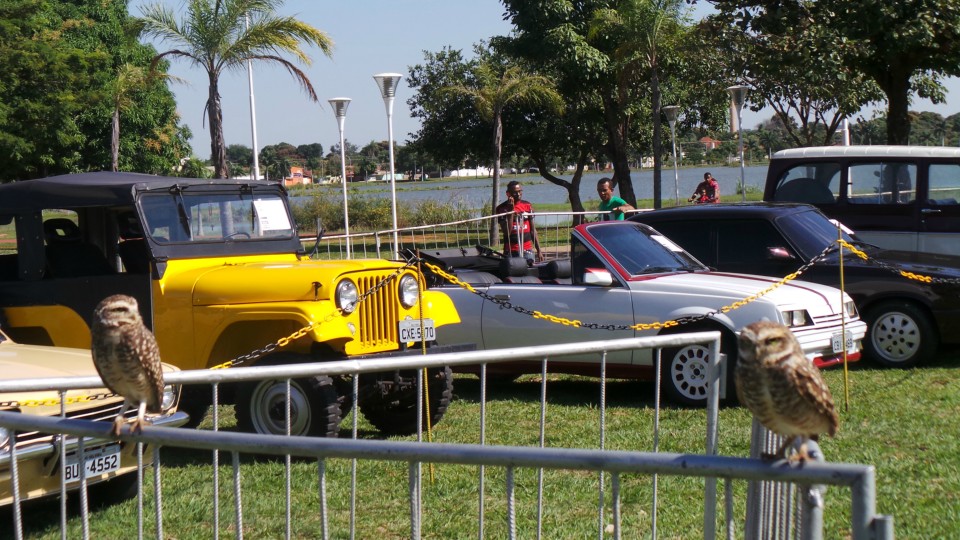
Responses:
[216,36]
[644,27]
[130,80]
[493,92]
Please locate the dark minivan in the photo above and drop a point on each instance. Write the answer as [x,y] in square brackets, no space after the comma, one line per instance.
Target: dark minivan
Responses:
[897,197]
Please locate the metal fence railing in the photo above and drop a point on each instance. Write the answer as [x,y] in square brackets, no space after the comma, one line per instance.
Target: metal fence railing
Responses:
[501,462]
[553,229]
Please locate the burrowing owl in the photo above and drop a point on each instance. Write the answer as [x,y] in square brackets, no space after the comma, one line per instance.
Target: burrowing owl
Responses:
[779,385]
[127,358]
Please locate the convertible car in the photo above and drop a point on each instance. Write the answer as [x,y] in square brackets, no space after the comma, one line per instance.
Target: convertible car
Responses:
[622,274]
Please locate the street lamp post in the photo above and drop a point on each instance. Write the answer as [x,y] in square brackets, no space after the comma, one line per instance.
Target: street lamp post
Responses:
[738,94]
[340,110]
[670,111]
[387,83]
[255,167]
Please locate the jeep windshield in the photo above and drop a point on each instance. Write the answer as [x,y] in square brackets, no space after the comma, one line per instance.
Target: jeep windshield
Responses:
[190,215]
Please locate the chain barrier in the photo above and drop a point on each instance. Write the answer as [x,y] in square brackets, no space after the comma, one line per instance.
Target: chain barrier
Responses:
[900,272]
[243,358]
[505,304]
[55,401]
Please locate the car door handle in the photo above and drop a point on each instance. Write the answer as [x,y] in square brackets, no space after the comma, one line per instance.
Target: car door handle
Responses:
[501,297]
[930,210]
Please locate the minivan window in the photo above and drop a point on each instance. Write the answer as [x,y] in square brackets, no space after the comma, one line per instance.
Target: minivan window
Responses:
[882,183]
[812,183]
[944,184]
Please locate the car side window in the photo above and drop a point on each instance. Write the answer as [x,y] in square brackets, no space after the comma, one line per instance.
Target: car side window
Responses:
[882,183]
[9,262]
[694,239]
[811,183]
[733,250]
[944,185]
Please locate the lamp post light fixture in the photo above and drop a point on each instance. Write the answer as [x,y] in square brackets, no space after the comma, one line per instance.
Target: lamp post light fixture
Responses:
[387,83]
[670,111]
[339,106]
[738,95]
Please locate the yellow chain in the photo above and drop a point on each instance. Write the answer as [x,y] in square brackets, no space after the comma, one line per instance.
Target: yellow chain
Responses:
[640,326]
[283,342]
[56,401]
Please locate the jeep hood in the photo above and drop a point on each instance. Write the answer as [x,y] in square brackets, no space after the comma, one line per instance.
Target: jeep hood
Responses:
[286,281]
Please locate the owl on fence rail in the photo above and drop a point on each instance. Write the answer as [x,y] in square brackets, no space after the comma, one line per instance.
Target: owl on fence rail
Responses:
[127,358]
[781,387]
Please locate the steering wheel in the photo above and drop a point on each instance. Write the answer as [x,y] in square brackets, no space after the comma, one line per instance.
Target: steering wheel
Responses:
[238,234]
[485,251]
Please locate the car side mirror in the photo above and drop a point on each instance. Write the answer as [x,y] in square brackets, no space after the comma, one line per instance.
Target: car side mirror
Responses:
[777,253]
[597,276]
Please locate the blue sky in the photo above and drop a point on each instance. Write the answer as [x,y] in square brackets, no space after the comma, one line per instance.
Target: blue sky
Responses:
[370,36]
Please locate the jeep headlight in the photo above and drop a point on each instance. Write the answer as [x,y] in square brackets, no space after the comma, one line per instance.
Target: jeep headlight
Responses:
[408,291]
[169,397]
[346,296]
[850,309]
[796,317]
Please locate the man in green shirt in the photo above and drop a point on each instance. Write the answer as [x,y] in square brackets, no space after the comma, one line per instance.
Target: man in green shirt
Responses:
[615,206]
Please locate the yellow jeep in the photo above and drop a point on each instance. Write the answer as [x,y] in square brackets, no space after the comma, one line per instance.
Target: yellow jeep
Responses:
[222,277]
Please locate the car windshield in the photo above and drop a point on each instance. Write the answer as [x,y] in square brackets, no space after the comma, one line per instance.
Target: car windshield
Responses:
[811,231]
[182,215]
[641,252]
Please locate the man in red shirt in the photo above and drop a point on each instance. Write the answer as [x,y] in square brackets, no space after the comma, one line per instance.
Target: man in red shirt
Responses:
[518,225]
[707,191]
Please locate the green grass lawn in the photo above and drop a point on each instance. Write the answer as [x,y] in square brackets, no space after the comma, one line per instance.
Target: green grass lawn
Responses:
[903,422]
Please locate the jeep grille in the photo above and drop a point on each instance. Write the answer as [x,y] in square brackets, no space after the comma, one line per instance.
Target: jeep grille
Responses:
[379,314]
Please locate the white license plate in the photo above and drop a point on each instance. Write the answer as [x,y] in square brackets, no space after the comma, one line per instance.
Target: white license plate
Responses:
[836,341]
[410,330]
[99,461]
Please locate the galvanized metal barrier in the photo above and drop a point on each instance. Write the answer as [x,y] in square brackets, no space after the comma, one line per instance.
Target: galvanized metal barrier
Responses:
[464,234]
[606,463]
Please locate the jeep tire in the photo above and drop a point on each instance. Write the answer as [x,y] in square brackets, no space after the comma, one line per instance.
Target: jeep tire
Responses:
[389,400]
[314,407]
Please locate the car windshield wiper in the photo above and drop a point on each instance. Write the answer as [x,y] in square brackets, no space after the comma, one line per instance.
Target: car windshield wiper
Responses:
[660,269]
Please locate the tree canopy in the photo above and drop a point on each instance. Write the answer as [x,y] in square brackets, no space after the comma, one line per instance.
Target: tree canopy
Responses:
[58,62]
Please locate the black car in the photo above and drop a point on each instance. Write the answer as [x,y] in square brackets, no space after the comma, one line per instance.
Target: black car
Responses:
[907,319]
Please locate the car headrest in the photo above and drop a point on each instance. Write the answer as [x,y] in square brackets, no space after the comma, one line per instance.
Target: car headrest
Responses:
[513,266]
[61,230]
[557,269]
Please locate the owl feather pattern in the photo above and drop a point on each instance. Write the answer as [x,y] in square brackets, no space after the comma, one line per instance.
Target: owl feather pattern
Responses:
[781,387]
[127,358]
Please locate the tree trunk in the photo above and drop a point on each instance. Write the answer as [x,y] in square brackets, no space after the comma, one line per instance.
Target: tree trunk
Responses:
[497,147]
[218,148]
[616,148]
[896,85]
[115,141]
[657,136]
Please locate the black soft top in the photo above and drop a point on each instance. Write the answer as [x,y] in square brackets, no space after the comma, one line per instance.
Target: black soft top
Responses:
[102,188]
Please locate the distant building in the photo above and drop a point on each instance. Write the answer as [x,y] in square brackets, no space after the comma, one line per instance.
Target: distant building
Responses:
[709,143]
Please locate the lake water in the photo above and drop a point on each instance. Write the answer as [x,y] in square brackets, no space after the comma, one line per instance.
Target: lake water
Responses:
[476,192]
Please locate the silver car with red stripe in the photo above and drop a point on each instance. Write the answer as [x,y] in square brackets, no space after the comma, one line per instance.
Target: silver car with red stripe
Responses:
[623,274]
